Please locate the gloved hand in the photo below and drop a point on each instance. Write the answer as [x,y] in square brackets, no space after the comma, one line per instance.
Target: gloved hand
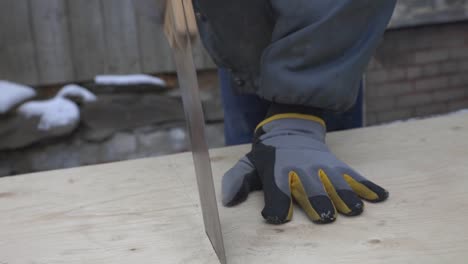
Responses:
[289,159]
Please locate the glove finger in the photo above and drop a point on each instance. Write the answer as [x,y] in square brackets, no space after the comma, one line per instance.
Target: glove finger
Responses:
[311,196]
[363,187]
[278,204]
[343,197]
[239,181]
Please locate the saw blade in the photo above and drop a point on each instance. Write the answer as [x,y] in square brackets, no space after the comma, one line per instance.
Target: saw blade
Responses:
[182,36]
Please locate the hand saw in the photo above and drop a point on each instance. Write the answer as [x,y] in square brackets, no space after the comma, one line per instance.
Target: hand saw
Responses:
[181,29]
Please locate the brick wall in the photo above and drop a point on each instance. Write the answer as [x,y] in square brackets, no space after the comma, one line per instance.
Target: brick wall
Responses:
[418,71]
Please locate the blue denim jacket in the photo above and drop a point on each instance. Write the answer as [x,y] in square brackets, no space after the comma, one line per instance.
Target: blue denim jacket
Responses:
[296,52]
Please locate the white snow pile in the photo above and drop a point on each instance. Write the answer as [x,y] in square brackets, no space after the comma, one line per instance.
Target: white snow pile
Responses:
[132,79]
[59,111]
[12,94]
[53,113]
[177,134]
[73,90]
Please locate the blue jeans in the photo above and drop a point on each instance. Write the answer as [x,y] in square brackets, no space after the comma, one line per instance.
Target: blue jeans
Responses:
[242,113]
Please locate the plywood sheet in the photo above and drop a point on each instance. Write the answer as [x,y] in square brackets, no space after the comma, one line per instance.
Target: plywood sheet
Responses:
[146,211]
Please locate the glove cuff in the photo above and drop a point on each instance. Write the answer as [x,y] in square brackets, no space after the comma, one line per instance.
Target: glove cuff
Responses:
[281,111]
[292,115]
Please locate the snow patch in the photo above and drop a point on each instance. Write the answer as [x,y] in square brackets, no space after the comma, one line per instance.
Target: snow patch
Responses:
[53,113]
[177,134]
[131,79]
[12,94]
[73,90]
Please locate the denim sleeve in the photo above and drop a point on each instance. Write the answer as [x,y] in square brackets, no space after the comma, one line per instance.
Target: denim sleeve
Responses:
[297,52]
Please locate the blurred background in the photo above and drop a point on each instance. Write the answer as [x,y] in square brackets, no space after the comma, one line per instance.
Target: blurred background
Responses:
[91,81]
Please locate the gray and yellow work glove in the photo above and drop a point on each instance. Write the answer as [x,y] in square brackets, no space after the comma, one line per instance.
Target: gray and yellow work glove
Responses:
[289,159]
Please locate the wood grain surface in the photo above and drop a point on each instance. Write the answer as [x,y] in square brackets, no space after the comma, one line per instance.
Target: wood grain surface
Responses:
[146,211]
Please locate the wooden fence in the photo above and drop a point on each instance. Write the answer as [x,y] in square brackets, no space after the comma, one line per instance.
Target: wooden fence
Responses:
[57,41]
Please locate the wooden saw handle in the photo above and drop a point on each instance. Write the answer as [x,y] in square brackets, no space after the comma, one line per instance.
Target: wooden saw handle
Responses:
[179,21]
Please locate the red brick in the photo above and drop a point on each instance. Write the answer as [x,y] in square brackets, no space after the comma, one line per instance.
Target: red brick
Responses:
[385,75]
[449,67]
[414,72]
[428,56]
[417,72]
[379,76]
[458,80]
[431,109]
[389,89]
[382,103]
[463,67]
[415,39]
[457,105]
[371,119]
[374,64]
[431,69]
[394,115]
[459,53]
[414,100]
[431,83]
[449,94]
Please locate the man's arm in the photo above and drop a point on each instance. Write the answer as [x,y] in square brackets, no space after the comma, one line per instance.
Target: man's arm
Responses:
[304,57]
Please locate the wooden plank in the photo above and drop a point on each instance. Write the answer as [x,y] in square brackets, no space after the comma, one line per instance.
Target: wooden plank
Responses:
[121,37]
[50,27]
[17,53]
[146,211]
[125,221]
[155,51]
[87,38]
